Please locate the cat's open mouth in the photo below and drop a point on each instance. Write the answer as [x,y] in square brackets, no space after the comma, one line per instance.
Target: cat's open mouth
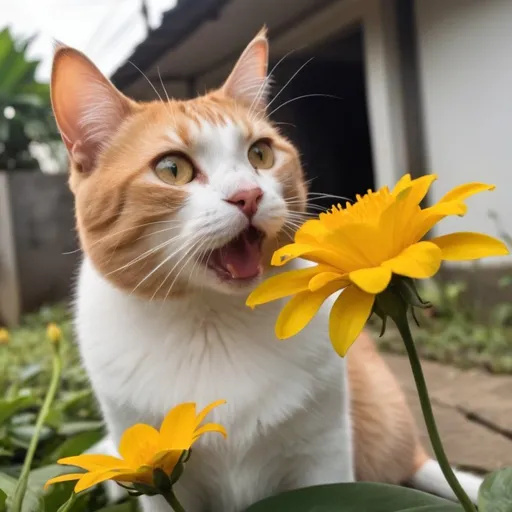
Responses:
[240,258]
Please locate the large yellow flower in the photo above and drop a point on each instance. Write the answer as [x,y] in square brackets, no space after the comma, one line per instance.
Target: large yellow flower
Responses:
[359,247]
[143,449]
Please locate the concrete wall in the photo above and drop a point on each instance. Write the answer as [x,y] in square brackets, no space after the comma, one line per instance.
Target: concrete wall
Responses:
[466,90]
[42,221]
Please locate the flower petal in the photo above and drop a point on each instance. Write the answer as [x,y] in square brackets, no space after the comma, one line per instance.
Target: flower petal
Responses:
[469,246]
[464,191]
[311,232]
[92,462]
[371,280]
[308,252]
[418,261]
[299,311]
[210,427]
[63,478]
[429,217]
[358,245]
[202,415]
[139,444]
[283,285]
[178,427]
[324,278]
[403,183]
[348,317]
[167,460]
[90,479]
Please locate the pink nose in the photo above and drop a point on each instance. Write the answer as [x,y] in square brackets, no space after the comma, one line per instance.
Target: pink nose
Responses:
[247,200]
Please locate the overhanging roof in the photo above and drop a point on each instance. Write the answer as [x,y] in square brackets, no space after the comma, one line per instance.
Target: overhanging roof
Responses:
[199,36]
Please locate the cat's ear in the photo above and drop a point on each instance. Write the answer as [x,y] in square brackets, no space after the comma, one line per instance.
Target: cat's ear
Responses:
[248,81]
[87,107]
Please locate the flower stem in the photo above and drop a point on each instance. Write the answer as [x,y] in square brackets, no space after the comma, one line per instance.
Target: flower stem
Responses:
[21,487]
[170,497]
[421,386]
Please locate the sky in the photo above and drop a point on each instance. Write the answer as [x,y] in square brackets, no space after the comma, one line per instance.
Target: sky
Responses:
[105,30]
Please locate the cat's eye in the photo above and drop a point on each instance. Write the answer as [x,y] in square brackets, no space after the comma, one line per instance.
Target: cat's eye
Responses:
[261,155]
[175,169]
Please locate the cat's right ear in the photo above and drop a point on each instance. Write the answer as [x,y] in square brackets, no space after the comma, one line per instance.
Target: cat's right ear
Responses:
[87,107]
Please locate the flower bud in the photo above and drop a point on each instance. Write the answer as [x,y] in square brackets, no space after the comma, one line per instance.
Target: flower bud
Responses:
[53,333]
[4,337]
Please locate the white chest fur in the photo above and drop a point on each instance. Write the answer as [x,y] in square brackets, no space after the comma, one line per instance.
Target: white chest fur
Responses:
[287,401]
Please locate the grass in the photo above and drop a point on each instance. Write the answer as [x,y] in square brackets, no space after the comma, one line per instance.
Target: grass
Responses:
[74,423]
[450,333]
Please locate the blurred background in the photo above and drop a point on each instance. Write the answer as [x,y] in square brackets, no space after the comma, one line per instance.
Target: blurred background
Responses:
[368,90]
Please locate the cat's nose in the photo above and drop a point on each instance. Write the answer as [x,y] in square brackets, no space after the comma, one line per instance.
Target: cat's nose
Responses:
[247,200]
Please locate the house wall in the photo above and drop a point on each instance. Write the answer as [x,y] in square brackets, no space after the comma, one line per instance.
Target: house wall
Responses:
[466,91]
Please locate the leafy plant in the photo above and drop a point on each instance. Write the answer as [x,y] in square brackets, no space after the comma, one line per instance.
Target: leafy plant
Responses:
[25,112]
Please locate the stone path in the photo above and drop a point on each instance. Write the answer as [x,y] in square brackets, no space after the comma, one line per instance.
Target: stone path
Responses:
[473,411]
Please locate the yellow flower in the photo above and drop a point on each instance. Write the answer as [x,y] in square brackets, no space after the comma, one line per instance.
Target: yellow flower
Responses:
[4,337]
[143,449]
[359,247]
[53,333]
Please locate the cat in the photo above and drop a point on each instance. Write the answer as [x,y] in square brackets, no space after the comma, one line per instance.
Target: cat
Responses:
[179,206]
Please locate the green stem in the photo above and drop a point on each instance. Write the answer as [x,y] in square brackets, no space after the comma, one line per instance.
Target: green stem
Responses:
[170,497]
[21,487]
[66,507]
[421,386]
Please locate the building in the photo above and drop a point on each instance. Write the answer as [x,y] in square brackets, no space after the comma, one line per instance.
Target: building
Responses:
[423,86]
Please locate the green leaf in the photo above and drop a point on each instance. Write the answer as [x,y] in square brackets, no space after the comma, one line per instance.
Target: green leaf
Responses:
[355,497]
[31,502]
[38,477]
[3,498]
[496,492]
[76,445]
[76,427]
[128,506]
[9,408]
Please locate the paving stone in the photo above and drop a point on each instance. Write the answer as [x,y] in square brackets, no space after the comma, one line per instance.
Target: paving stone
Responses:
[473,410]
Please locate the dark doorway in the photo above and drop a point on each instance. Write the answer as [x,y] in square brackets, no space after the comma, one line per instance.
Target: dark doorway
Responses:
[331,133]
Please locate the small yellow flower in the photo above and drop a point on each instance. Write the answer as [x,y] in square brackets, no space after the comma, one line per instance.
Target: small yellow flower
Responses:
[4,337]
[143,449]
[54,333]
[359,247]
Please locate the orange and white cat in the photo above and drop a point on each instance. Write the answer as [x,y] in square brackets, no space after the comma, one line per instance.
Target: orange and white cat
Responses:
[179,205]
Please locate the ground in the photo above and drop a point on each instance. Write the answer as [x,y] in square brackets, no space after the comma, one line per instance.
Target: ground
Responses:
[473,410]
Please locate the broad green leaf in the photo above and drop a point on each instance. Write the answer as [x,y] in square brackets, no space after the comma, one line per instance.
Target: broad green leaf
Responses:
[76,427]
[496,492]
[128,506]
[355,497]
[76,445]
[31,503]
[9,408]
[38,477]
[3,498]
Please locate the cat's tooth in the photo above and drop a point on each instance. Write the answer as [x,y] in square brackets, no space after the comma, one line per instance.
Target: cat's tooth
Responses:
[231,269]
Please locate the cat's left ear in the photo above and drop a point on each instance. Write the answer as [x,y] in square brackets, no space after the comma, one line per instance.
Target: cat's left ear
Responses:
[248,81]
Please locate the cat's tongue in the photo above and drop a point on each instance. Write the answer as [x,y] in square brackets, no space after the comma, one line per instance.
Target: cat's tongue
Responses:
[240,258]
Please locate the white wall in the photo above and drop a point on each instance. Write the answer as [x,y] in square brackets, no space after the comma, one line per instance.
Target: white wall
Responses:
[465,49]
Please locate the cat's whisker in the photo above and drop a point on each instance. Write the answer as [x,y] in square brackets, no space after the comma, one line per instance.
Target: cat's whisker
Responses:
[288,83]
[266,82]
[160,265]
[144,255]
[186,251]
[302,97]
[147,79]
[192,252]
